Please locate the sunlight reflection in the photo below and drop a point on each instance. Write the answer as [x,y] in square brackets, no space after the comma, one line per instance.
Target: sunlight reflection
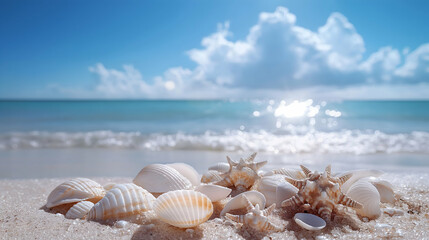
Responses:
[297,109]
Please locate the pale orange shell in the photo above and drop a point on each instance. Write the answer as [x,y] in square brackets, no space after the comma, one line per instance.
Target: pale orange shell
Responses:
[79,210]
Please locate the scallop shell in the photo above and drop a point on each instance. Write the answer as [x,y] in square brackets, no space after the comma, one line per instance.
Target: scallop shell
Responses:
[285,191]
[122,201]
[183,208]
[238,201]
[75,190]
[159,178]
[79,210]
[385,189]
[309,221]
[187,171]
[211,176]
[214,192]
[357,175]
[220,167]
[366,194]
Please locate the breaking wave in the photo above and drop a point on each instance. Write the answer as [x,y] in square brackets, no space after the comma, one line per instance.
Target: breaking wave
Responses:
[346,141]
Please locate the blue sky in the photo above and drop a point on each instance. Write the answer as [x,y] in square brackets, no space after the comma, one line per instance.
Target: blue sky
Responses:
[214,49]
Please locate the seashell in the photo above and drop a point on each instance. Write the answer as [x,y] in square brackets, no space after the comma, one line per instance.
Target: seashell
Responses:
[366,194]
[357,174]
[309,221]
[244,178]
[187,171]
[159,178]
[285,191]
[214,192]
[211,176]
[292,173]
[238,201]
[220,167]
[122,201]
[183,208]
[385,189]
[393,211]
[79,210]
[109,186]
[75,190]
[268,186]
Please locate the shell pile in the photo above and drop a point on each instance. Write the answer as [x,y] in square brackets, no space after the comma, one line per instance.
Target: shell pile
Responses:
[177,195]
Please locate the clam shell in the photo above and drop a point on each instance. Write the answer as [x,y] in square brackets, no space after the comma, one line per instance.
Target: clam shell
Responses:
[159,178]
[122,201]
[183,208]
[214,192]
[75,190]
[220,167]
[211,176]
[309,221]
[79,210]
[385,189]
[366,194]
[238,202]
[187,171]
[357,175]
[268,186]
[284,191]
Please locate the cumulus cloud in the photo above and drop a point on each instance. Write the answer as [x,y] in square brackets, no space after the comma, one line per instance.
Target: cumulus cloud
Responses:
[277,56]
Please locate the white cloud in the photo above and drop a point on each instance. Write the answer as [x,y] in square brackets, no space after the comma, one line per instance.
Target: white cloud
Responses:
[275,58]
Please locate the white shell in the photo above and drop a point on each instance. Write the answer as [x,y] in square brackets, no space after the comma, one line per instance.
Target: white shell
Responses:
[122,201]
[187,171]
[214,192]
[385,189]
[75,190]
[220,167]
[357,174]
[393,211]
[109,186]
[366,194]
[238,201]
[183,208]
[284,191]
[159,178]
[309,221]
[211,176]
[79,210]
[292,173]
[268,186]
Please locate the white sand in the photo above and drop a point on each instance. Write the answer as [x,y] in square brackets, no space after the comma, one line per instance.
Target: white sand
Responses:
[22,217]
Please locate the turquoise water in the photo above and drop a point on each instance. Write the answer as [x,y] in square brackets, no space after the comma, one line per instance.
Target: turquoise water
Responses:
[358,127]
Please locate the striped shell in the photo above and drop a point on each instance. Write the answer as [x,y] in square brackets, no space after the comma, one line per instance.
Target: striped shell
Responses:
[366,194]
[122,201]
[292,173]
[187,171]
[159,178]
[75,190]
[183,208]
[79,210]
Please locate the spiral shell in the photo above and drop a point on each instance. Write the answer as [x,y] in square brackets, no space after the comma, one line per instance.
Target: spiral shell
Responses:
[122,201]
[183,208]
[75,190]
[366,194]
[159,178]
[79,210]
[238,201]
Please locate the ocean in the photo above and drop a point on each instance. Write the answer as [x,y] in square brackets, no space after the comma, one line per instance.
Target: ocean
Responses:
[278,129]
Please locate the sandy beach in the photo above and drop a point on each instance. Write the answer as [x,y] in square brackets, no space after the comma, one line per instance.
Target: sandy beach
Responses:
[23,216]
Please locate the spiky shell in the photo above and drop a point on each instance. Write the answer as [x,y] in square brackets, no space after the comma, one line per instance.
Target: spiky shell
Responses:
[243,178]
[79,210]
[238,202]
[122,201]
[211,176]
[366,194]
[183,208]
[214,192]
[75,190]
[187,171]
[159,178]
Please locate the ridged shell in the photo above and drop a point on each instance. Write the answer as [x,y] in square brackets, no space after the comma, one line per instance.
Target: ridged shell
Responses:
[214,192]
[183,208]
[284,191]
[109,186]
[75,190]
[211,176]
[159,178]
[385,189]
[220,167]
[244,178]
[187,171]
[292,173]
[309,221]
[366,194]
[357,175]
[238,202]
[122,201]
[79,210]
